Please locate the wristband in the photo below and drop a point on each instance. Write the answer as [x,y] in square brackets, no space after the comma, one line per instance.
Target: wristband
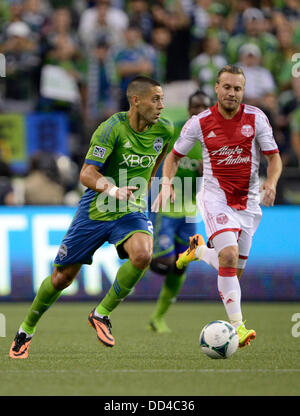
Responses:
[112,192]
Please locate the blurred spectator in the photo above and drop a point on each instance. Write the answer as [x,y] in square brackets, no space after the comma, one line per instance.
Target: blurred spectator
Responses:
[259,80]
[103,27]
[294,116]
[205,66]
[289,102]
[102,92]
[62,77]
[295,133]
[217,25]
[161,39]
[35,15]
[283,61]
[289,99]
[41,186]
[60,26]
[253,20]
[66,55]
[7,196]
[4,14]
[15,10]
[201,19]
[134,58]
[235,20]
[291,11]
[269,104]
[115,18]
[175,17]
[22,67]
[139,15]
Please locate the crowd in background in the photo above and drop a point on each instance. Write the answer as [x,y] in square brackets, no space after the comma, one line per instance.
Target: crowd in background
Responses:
[96,47]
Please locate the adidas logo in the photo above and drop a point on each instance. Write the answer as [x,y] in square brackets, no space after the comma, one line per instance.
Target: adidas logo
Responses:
[211,134]
[127,145]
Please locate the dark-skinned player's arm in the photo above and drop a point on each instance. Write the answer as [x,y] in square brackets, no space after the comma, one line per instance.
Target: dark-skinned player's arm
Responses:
[157,164]
[169,171]
[93,179]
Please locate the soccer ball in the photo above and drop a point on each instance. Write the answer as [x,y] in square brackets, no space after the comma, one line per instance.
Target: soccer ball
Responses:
[219,339]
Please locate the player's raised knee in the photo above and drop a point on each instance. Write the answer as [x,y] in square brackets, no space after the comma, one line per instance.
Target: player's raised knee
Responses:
[141,258]
[228,256]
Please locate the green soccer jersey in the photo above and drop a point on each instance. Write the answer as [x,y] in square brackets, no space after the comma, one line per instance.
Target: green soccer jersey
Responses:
[125,157]
[185,181]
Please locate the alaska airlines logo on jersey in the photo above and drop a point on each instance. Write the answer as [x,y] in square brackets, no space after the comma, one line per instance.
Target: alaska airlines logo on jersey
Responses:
[247,130]
[158,144]
[233,156]
[133,161]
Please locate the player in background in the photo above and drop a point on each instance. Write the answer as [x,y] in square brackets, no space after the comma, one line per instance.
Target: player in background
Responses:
[232,136]
[125,152]
[172,229]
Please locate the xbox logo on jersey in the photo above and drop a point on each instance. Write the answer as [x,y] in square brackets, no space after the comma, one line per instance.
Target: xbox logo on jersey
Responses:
[144,161]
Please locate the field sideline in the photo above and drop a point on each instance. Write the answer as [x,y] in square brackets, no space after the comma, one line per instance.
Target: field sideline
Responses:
[66,359]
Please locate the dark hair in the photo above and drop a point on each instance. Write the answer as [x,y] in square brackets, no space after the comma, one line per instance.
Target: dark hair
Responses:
[139,85]
[207,101]
[232,69]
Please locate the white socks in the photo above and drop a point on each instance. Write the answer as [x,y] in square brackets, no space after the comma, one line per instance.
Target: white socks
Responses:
[230,293]
[209,255]
[228,284]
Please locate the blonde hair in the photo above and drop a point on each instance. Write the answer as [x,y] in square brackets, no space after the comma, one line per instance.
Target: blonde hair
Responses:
[232,69]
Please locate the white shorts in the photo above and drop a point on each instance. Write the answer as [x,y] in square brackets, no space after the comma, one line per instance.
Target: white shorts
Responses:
[219,217]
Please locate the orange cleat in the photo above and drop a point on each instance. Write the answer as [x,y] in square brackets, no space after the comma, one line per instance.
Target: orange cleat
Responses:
[102,327]
[189,254]
[20,346]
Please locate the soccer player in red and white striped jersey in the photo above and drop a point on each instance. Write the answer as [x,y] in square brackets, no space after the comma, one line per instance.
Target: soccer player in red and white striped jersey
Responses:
[233,137]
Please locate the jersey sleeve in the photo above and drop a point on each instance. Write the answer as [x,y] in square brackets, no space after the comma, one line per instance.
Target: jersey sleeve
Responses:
[101,144]
[189,135]
[264,134]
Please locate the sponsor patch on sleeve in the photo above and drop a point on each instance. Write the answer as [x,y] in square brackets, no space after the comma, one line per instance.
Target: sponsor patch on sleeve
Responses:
[99,152]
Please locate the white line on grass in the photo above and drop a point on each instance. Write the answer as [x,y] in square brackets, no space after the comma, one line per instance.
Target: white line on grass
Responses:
[201,370]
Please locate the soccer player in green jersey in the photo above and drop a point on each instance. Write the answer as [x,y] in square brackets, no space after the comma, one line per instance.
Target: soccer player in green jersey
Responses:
[173,228]
[125,152]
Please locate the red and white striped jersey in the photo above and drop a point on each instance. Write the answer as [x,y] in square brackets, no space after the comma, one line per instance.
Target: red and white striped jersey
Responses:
[231,151]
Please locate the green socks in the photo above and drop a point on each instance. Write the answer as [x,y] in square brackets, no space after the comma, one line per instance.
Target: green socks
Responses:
[45,297]
[168,293]
[127,277]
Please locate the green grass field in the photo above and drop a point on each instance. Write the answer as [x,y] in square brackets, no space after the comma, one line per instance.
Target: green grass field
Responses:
[66,358]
